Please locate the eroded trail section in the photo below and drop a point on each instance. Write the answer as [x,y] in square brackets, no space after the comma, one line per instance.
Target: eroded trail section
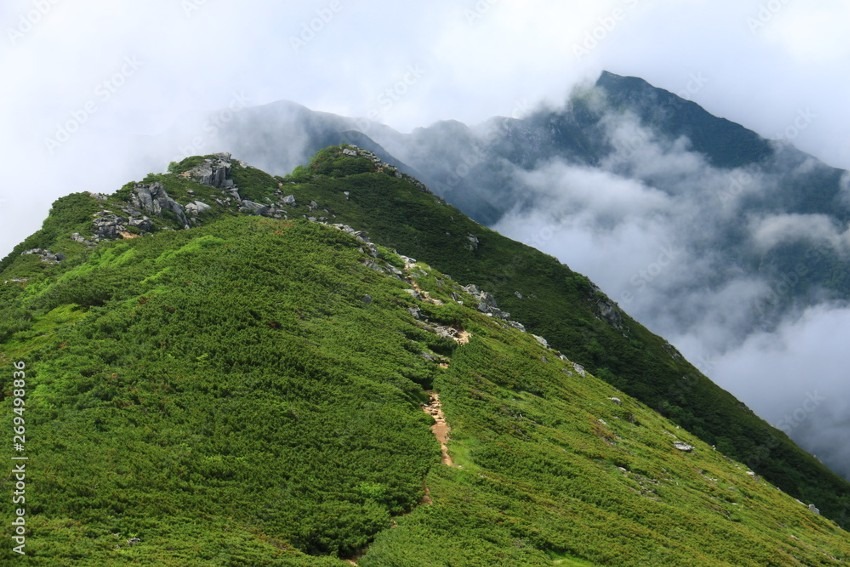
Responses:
[440,429]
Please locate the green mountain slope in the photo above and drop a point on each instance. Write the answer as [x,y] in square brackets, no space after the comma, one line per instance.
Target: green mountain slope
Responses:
[250,392]
[566,308]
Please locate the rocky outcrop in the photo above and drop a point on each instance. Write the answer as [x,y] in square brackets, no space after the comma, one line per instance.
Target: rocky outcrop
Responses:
[77,237]
[153,199]
[610,313]
[44,255]
[486,303]
[361,237]
[214,172]
[196,207]
[144,224]
[109,226]
[683,446]
[253,208]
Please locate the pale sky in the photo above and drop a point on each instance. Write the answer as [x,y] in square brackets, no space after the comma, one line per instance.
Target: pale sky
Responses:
[82,79]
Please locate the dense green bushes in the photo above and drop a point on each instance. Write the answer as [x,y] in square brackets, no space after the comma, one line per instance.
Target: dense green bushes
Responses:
[243,383]
[68,214]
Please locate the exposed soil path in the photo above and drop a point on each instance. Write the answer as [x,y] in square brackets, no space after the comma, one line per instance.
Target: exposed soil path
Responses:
[440,429]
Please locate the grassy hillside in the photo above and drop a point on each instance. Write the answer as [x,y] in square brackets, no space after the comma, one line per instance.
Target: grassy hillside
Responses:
[250,392]
[218,401]
[566,308]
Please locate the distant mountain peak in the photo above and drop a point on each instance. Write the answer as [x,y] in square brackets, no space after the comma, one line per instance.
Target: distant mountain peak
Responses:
[607,78]
[723,143]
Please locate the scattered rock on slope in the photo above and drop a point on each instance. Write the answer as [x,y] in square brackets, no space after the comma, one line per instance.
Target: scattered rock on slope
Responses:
[153,198]
[44,255]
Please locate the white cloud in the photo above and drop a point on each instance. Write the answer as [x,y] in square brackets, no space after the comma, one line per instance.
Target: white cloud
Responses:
[770,231]
[609,198]
[599,224]
[796,378]
[642,155]
[631,225]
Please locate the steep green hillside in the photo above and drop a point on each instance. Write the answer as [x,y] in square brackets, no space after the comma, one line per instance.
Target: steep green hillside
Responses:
[566,308]
[250,391]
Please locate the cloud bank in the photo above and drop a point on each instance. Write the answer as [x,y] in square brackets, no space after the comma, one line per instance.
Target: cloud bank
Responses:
[661,232]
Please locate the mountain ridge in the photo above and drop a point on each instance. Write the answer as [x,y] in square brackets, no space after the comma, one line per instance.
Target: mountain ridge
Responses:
[755,226]
[498,390]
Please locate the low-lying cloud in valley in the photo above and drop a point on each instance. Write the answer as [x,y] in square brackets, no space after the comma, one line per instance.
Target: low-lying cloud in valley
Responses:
[771,231]
[796,377]
[667,236]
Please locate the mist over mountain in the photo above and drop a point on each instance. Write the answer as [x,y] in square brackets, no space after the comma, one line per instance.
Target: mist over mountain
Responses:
[732,245]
